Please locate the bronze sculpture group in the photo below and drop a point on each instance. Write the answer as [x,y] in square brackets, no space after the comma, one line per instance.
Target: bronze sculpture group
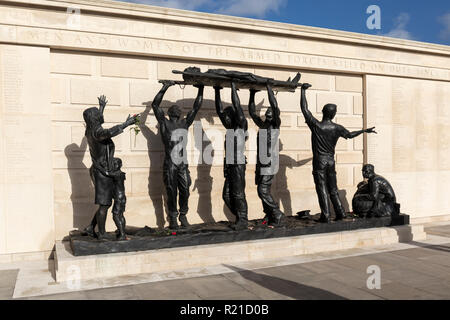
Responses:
[375,197]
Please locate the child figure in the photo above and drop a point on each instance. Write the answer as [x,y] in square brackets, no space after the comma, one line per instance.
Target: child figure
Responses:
[120,199]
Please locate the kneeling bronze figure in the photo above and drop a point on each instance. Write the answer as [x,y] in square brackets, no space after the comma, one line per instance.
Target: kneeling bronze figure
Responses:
[375,197]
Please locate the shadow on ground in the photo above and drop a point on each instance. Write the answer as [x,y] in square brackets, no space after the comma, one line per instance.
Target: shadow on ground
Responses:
[286,288]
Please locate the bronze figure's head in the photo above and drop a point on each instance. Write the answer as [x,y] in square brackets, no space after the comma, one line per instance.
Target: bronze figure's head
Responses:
[174,112]
[329,111]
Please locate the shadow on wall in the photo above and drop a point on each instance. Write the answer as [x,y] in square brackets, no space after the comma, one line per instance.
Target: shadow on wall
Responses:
[283,195]
[81,183]
[344,201]
[155,177]
[204,181]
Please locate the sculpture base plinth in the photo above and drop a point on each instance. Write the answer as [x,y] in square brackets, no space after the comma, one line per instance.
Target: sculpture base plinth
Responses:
[149,239]
[197,257]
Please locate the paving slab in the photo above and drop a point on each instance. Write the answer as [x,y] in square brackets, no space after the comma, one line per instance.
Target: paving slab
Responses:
[121,293]
[407,276]
[242,295]
[253,286]
[344,290]
[400,291]
[8,278]
[439,288]
[353,278]
[6,293]
[158,291]
[212,286]
[360,264]
[289,286]
[79,295]
[440,259]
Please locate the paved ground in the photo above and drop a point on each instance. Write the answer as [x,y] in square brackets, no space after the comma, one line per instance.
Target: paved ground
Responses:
[422,272]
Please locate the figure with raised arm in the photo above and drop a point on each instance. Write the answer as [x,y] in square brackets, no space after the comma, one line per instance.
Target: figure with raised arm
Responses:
[267,162]
[105,171]
[324,137]
[233,119]
[174,134]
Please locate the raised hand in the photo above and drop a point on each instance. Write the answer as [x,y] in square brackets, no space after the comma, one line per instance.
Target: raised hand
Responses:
[371,130]
[130,120]
[167,83]
[102,101]
[306,86]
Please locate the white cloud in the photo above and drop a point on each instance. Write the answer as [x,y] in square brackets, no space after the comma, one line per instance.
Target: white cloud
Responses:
[254,8]
[177,4]
[445,20]
[399,30]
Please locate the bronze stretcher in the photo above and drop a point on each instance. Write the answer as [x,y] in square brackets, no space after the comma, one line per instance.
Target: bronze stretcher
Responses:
[241,79]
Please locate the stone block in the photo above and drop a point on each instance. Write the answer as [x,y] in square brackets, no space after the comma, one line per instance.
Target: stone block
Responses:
[350,158]
[295,140]
[318,81]
[86,91]
[358,107]
[344,145]
[297,178]
[58,90]
[143,93]
[70,63]
[357,174]
[358,143]
[343,101]
[61,136]
[351,122]
[344,175]
[286,121]
[349,83]
[124,68]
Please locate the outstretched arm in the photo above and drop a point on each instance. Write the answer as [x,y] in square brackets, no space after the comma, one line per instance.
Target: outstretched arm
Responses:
[354,134]
[252,109]
[101,134]
[197,104]
[237,107]
[159,113]
[274,104]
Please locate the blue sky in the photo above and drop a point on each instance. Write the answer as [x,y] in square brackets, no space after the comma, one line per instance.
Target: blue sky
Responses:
[427,21]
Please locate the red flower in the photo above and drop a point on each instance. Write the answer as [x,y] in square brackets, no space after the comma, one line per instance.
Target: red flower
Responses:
[174,233]
[264,222]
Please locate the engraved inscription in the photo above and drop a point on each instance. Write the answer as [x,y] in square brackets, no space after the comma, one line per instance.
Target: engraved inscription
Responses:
[12,75]
[113,43]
